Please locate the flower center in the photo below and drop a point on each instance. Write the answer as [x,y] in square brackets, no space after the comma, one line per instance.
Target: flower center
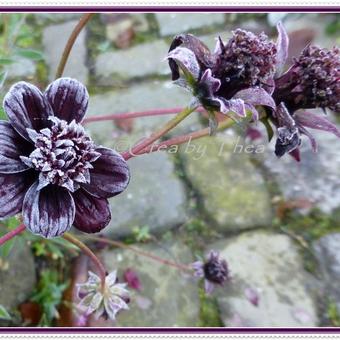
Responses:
[215,271]
[63,154]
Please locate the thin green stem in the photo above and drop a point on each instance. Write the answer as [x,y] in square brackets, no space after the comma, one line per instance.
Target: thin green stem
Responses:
[18,230]
[101,269]
[158,134]
[70,42]
[139,252]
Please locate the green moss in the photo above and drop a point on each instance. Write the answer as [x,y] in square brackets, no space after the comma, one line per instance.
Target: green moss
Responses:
[209,312]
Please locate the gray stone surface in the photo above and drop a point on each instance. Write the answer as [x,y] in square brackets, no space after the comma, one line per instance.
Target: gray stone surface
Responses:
[18,281]
[139,61]
[170,296]
[233,192]
[316,177]
[54,40]
[327,252]
[172,23]
[143,96]
[154,198]
[269,264]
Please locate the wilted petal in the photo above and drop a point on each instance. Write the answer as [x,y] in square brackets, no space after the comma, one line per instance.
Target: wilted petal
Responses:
[68,98]
[212,83]
[12,146]
[92,213]
[186,60]
[288,139]
[208,287]
[48,212]
[26,107]
[132,279]
[256,96]
[12,192]
[199,49]
[314,121]
[252,296]
[233,105]
[110,175]
[311,138]
[296,154]
[282,48]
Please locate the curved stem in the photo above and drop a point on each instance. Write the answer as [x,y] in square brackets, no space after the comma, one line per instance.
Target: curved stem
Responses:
[102,271]
[139,252]
[70,42]
[158,134]
[18,230]
[185,138]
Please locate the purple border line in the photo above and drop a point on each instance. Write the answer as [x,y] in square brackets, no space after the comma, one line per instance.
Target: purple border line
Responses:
[258,9]
[178,330]
[166,330]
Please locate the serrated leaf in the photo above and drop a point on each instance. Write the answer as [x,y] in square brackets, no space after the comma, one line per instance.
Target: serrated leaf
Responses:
[30,54]
[4,315]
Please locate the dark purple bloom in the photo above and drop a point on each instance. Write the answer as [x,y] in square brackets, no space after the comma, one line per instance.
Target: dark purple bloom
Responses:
[313,81]
[50,169]
[234,78]
[214,270]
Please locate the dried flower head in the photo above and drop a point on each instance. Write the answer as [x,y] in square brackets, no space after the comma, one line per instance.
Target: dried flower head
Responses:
[233,79]
[312,81]
[246,60]
[214,270]
[50,169]
[104,301]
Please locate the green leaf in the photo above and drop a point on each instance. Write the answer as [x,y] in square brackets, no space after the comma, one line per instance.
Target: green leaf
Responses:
[6,61]
[3,76]
[30,54]
[268,127]
[4,315]
[7,247]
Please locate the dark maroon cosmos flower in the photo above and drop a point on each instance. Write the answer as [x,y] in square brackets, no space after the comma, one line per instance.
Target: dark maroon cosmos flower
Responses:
[313,81]
[236,77]
[214,270]
[50,169]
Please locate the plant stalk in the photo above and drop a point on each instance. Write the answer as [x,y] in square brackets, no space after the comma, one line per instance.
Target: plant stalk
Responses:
[158,134]
[70,42]
[18,230]
[101,269]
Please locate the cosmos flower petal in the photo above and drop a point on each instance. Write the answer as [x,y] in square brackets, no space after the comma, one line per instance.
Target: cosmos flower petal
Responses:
[13,188]
[110,175]
[186,61]
[69,99]
[282,48]
[315,121]
[256,96]
[26,107]
[212,82]
[311,138]
[48,212]
[296,154]
[234,105]
[12,146]
[92,213]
